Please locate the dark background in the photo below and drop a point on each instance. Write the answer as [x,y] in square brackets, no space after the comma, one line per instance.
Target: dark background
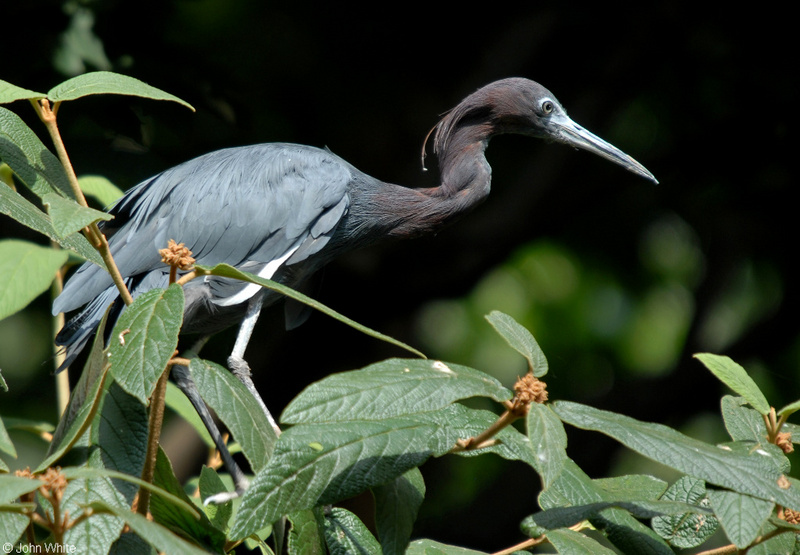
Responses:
[704,261]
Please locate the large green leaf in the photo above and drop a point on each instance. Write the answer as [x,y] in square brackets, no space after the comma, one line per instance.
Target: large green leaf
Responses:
[14,205]
[345,534]
[317,464]
[225,270]
[574,488]
[144,339]
[548,442]
[742,422]
[106,82]
[68,216]
[26,271]
[396,506]
[735,377]
[521,340]
[238,409]
[691,529]
[757,474]
[741,516]
[394,387]
[32,162]
[10,93]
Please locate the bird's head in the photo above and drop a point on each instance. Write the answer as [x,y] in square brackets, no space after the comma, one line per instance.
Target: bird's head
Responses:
[524,107]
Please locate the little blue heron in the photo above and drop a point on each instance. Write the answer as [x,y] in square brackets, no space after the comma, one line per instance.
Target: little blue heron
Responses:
[283,211]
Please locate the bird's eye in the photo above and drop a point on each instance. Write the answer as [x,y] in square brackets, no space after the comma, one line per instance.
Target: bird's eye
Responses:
[547,107]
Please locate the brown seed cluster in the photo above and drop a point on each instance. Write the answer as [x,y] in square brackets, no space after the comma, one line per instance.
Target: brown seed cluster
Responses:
[177,255]
[791,516]
[784,441]
[528,389]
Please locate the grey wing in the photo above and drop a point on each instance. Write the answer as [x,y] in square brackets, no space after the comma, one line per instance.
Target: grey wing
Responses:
[255,207]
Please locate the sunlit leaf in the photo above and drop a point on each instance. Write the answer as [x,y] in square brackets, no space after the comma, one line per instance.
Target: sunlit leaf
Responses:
[742,422]
[237,408]
[430,547]
[106,82]
[521,340]
[394,387]
[26,271]
[32,162]
[548,442]
[100,188]
[10,93]
[756,475]
[14,205]
[317,464]
[741,516]
[68,216]
[144,339]
[735,377]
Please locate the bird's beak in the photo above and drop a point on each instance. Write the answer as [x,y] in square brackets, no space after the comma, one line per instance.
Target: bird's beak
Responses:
[562,129]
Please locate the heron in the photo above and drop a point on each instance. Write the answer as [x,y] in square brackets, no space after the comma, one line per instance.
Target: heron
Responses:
[283,211]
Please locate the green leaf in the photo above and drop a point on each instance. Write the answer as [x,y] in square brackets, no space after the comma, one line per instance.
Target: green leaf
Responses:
[106,82]
[430,547]
[32,162]
[456,422]
[154,534]
[317,464]
[742,422]
[186,523]
[755,475]
[6,445]
[12,524]
[521,340]
[10,93]
[14,205]
[345,534]
[570,542]
[789,409]
[573,488]
[211,484]
[741,516]
[225,270]
[394,387]
[632,487]
[396,506]
[100,188]
[26,271]
[690,529]
[564,517]
[85,400]
[68,216]
[735,377]
[138,357]
[548,441]
[305,536]
[238,409]
[12,487]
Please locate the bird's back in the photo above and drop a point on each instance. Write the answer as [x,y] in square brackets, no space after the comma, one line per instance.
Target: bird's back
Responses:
[259,207]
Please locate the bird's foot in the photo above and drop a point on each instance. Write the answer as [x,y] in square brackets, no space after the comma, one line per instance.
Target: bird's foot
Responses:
[239,368]
[225,496]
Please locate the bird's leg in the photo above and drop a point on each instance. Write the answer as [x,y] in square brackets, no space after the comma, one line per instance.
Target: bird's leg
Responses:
[183,379]
[236,363]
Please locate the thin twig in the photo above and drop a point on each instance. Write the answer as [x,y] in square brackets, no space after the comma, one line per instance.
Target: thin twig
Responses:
[520,546]
[154,424]
[479,441]
[92,232]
